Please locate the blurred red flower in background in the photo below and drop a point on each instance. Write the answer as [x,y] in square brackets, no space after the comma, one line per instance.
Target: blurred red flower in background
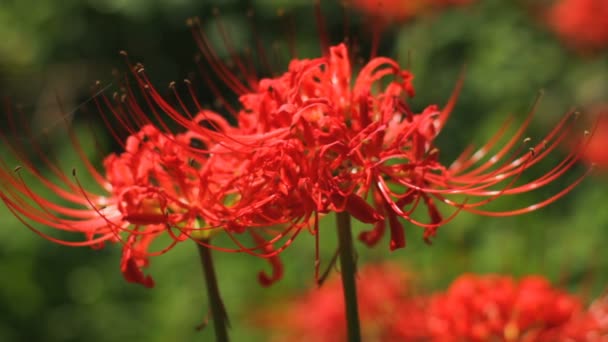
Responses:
[493,307]
[473,308]
[401,10]
[595,152]
[581,23]
[598,311]
[389,309]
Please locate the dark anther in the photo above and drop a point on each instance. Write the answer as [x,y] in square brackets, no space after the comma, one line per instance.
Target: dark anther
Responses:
[197,143]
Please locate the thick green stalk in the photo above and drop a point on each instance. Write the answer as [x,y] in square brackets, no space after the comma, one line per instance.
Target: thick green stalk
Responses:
[218,311]
[348,270]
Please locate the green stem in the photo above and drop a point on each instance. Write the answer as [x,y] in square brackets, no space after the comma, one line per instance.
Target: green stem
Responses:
[348,270]
[218,311]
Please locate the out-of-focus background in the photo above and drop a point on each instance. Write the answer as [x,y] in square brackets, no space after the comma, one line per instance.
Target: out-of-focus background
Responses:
[51,52]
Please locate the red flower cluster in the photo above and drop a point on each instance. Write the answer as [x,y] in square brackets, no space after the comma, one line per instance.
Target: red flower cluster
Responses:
[155,187]
[400,10]
[581,23]
[474,308]
[485,308]
[311,141]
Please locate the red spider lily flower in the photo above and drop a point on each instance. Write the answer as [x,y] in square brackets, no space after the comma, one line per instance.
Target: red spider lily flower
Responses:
[162,184]
[149,188]
[397,10]
[390,311]
[325,142]
[492,307]
[581,23]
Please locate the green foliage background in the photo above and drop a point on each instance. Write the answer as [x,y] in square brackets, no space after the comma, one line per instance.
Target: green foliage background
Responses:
[56,49]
